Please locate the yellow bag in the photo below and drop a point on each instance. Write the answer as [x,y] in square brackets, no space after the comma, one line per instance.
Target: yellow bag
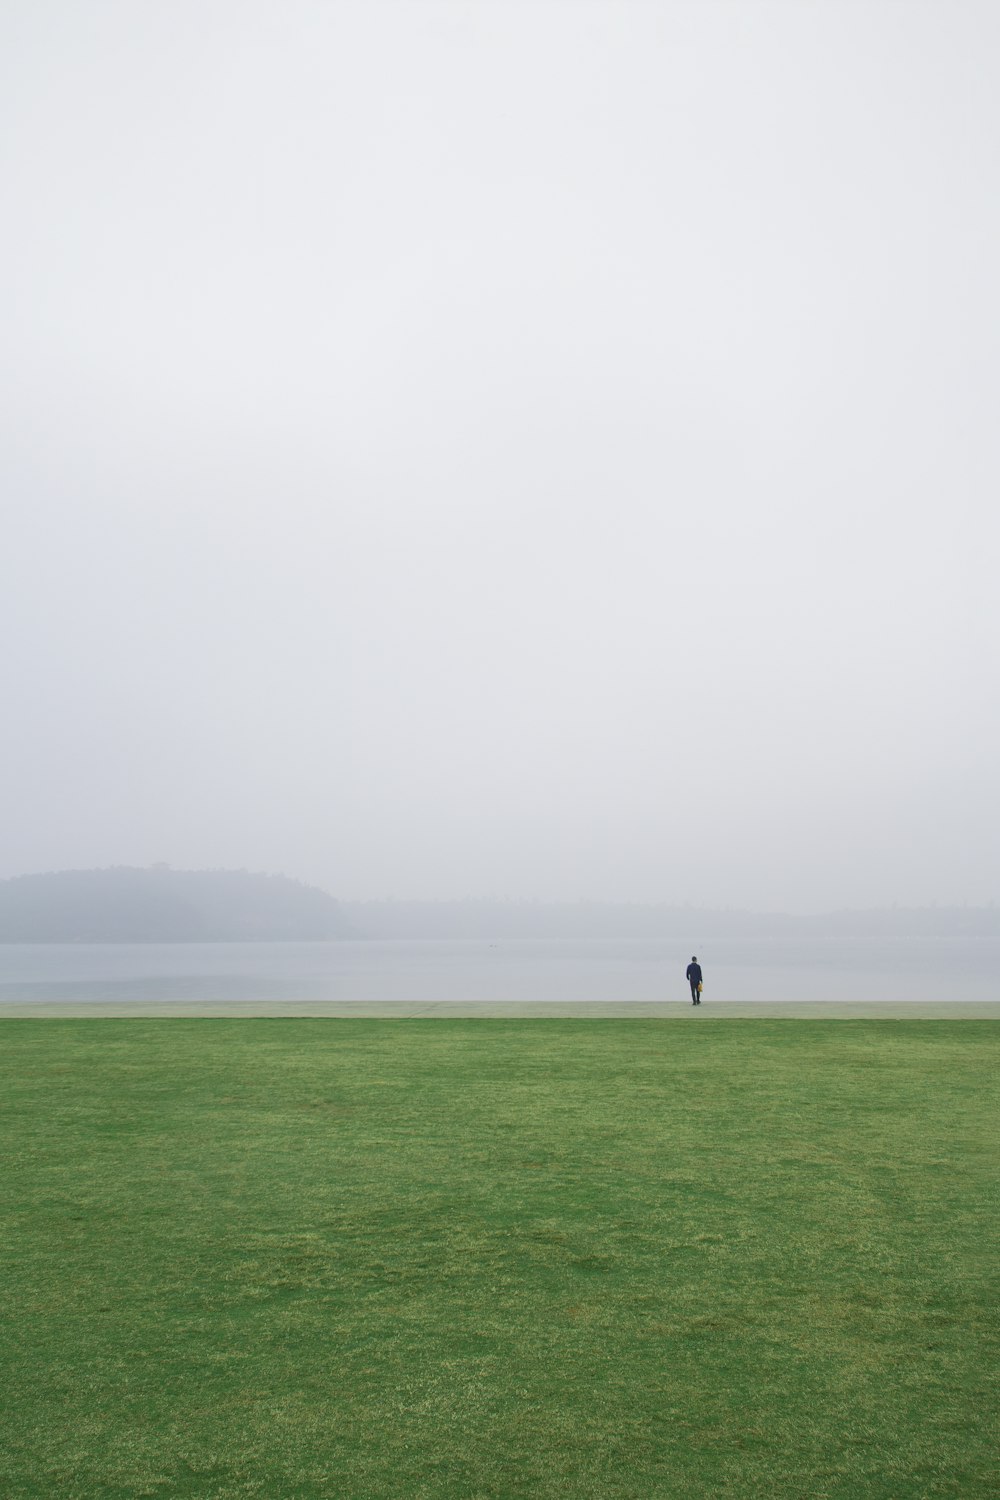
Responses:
[700,986]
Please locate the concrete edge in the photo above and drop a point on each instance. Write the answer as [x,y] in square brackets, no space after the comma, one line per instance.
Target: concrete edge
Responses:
[825,1010]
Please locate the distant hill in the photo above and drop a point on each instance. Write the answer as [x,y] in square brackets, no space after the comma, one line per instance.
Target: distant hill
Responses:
[477,919]
[160,905]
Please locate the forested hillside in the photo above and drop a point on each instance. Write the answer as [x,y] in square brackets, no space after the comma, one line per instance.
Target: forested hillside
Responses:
[164,905]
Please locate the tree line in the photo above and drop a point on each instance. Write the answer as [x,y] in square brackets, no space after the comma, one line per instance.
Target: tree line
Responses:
[128,905]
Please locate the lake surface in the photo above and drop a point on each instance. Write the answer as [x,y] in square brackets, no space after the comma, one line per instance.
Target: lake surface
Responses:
[896,969]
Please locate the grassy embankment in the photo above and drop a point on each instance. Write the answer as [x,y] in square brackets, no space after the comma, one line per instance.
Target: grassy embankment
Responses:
[491,1258]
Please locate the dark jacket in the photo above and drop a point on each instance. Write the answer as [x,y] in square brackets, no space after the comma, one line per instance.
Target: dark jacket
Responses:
[694,973]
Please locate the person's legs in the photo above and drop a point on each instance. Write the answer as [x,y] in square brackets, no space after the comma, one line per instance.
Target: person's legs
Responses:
[694,992]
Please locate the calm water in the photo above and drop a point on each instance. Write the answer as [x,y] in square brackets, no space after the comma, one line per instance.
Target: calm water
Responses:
[612,970]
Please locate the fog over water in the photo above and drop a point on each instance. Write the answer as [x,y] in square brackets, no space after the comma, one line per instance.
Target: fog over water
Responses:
[612,971]
[482,449]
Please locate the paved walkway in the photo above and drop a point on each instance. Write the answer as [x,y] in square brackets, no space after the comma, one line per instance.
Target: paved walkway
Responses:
[719,1010]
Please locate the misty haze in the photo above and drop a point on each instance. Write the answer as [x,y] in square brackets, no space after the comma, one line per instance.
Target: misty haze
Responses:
[499,893]
[504,454]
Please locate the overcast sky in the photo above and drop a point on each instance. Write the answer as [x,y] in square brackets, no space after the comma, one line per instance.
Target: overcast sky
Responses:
[539,449]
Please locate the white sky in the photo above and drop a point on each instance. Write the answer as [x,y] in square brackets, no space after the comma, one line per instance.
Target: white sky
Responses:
[476,448]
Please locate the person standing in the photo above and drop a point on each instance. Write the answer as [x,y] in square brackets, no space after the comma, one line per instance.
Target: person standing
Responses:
[694,980]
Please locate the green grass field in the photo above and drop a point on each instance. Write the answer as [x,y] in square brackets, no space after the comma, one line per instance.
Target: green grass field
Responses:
[487,1258]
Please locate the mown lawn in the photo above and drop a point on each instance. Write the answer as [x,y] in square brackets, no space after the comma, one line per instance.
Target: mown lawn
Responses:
[490,1258]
